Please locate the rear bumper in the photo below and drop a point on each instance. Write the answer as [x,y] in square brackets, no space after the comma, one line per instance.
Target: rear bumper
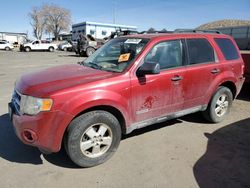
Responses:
[239,85]
[44,130]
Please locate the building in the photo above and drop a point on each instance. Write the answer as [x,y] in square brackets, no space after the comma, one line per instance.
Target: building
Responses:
[13,37]
[97,30]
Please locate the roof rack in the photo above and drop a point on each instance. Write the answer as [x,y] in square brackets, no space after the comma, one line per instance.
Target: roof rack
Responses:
[153,32]
[196,31]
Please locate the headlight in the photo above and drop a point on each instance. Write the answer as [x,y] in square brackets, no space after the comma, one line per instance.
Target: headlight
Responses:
[32,105]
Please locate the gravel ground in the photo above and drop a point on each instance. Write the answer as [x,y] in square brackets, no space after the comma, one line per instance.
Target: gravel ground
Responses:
[186,152]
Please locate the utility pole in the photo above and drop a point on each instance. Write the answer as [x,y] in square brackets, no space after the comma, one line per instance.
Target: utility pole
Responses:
[114,11]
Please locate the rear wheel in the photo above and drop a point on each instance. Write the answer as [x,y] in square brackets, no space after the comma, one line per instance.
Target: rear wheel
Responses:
[7,48]
[51,49]
[92,138]
[219,105]
[90,51]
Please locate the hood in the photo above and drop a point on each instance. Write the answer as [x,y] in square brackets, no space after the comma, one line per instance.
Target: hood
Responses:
[48,81]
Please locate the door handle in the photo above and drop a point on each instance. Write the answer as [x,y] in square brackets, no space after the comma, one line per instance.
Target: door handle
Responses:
[176,78]
[215,71]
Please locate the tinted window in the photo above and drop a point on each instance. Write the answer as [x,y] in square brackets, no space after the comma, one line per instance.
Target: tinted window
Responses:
[228,49]
[200,51]
[168,54]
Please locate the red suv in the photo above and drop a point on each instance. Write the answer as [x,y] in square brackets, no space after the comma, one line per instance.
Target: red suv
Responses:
[129,83]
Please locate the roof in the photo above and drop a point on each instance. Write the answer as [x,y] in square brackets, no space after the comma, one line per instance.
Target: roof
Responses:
[103,24]
[12,33]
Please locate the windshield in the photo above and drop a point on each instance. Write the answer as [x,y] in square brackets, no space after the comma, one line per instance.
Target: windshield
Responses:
[117,54]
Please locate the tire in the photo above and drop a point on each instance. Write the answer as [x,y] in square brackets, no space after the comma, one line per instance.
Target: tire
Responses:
[65,49]
[7,48]
[219,106]
[27,49]
[99,132]
[51,49]
[90,51]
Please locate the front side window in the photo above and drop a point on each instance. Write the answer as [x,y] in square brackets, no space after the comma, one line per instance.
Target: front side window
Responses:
[117,54]
[168,54]
[200,51]
[36,42]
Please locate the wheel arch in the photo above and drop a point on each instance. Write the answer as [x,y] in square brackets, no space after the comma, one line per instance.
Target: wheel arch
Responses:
[112,110]
[230,85]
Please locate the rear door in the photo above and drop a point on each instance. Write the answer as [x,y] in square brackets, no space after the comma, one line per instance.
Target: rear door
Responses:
[203,67]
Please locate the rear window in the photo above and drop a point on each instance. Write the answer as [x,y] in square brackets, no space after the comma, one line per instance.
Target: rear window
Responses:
[200,51]
[228,49]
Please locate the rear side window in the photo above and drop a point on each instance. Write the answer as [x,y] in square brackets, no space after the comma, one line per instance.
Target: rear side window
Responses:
[228,49]
[200,51]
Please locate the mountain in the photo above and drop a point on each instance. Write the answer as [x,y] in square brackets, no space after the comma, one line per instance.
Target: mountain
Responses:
[224,23]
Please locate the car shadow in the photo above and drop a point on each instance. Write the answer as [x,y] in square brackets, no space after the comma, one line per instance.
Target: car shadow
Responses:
[245,92]
[195,118]
[150,128]
[13,150]
[226,162]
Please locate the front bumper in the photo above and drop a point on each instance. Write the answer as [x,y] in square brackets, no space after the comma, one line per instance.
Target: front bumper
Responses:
[44,130]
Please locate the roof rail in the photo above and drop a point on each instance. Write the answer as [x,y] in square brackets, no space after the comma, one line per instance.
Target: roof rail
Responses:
[153,32]
[196,31]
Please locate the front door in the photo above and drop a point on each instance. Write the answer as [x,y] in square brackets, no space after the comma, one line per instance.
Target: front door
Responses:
[157,95]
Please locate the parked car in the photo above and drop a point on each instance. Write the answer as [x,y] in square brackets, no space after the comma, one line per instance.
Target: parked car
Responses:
[65,46]
[129,83]
[87,45]
[38,45]
[4,45]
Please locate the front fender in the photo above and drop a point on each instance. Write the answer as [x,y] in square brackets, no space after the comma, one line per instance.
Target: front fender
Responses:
[95,98]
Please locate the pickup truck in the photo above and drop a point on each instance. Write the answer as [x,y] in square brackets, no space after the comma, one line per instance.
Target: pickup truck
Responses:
[246,58]
[38,45]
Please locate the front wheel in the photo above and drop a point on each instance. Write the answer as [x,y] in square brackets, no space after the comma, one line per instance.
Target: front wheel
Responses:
[7,48]
[219,105]
[27,49]
[92,138]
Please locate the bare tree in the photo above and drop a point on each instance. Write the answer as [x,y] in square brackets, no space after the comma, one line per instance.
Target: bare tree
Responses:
[37,22]
[151,30]
[58,19]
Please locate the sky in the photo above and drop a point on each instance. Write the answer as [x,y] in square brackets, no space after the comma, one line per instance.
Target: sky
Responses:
[159,14]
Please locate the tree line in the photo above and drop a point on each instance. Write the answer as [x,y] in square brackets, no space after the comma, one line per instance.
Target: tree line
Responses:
[50,19]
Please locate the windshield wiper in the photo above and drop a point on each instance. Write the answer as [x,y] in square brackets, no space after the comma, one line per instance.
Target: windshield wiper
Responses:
[94,65]
[90,64]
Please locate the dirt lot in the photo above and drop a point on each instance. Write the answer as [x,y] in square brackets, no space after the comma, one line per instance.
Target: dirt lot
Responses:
[186,152]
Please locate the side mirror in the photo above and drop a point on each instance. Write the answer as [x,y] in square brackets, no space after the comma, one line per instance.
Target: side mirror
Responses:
[148,68]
